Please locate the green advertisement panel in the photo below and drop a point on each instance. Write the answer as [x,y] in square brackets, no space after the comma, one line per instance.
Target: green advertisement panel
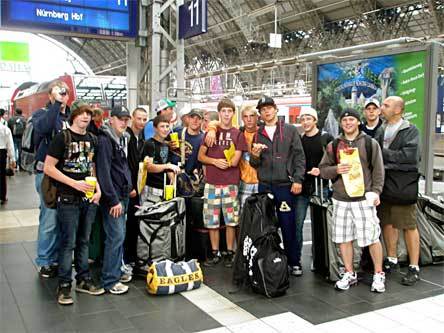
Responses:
[351,83]
[14,51]
[410,85]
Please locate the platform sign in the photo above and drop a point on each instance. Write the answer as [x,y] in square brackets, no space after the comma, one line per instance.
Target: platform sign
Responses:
[193,18]
[104,18]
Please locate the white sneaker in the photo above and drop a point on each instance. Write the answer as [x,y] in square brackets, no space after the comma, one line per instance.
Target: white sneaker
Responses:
[378,284]
[118,289]
[296,271]
[347,280]
[125,278]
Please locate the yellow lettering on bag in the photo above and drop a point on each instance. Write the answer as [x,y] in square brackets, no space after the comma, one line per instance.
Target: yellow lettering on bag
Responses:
[179,279]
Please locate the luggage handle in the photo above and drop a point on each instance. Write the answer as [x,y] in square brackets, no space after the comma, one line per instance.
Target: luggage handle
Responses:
[321,195]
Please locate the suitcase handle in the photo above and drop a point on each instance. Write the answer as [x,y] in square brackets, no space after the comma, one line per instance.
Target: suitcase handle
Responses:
[321,194]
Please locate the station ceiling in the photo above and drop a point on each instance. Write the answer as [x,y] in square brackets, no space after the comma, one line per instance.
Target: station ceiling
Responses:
[239,29]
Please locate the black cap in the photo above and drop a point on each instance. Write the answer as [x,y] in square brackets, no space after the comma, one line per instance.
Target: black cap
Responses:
[349,112]
[120,111]
[265,100]
[195,112]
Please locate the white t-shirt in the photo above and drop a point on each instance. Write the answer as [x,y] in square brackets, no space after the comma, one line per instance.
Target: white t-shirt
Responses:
[270,131]
[390,132]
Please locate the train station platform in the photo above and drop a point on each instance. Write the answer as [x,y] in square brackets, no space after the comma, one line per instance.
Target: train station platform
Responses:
[28,303]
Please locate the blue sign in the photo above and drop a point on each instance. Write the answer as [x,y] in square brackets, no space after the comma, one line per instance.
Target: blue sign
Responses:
[193,18]
[107,18]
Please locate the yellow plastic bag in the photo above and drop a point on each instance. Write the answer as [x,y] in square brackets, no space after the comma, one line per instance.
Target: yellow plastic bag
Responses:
[141,176]
[354,179]
[229,153]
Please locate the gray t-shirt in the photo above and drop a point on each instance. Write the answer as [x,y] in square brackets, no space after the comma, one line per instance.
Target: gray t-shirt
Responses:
[390,132]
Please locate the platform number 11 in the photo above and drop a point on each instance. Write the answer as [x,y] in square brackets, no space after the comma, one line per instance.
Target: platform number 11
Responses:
[194,6]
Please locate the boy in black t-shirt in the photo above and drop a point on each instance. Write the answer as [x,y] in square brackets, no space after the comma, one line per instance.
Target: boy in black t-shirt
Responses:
[157,155]
[69,161]
[313,143]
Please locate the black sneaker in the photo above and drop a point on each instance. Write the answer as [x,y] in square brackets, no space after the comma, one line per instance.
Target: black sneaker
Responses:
[88,287]
[48,272]
[213,259]
[411,277]
[389,266]
[64,294]
[229,259]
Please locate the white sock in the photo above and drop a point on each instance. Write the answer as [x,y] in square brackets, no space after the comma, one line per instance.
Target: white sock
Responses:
[415,267]
[392,260]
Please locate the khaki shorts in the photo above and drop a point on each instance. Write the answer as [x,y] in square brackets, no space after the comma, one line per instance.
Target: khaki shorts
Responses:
[400,216]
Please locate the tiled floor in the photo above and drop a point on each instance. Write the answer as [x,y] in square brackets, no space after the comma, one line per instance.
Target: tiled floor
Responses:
[28,304]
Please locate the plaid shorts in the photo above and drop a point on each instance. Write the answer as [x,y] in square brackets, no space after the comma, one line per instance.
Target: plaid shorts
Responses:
[355,220]
[220,199]
[245,190]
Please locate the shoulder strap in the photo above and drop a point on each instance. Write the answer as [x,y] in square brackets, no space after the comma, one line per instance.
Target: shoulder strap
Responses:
[182,147]
[93,138]
[369,151]
[325,139]
[67,138]
[335,144]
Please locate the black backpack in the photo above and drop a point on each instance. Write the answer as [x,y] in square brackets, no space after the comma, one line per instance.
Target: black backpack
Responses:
[17,125]
[268,267]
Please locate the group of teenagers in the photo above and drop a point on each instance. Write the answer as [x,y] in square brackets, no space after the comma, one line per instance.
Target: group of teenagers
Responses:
[264,155]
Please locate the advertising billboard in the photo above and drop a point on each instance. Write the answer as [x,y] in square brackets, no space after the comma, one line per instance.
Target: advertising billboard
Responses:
[350,83]
[104,18]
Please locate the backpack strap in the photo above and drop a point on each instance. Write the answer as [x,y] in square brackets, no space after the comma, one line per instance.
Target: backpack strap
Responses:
[335,145]
[182,147]
[369,151]
[67,138]
[325,139]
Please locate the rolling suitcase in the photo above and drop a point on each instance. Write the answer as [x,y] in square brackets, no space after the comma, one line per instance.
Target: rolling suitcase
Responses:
[198,240]
[326,254]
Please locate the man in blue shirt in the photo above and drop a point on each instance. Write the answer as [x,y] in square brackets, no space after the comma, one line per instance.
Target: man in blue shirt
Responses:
[190,140]
[165,107]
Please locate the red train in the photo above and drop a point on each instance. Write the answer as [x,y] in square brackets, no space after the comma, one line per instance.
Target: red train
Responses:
[99,90]
[31,96]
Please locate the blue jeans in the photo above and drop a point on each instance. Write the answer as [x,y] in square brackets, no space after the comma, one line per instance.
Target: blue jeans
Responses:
[286,212]
[48,233]
[301,205]
[75,219]
[115,229]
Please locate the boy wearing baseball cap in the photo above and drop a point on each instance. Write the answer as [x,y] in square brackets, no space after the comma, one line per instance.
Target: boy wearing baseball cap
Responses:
[372,114]
[279,159]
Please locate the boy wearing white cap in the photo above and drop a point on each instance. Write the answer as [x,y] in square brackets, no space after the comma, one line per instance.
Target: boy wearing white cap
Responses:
[313,143]
[372,114]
